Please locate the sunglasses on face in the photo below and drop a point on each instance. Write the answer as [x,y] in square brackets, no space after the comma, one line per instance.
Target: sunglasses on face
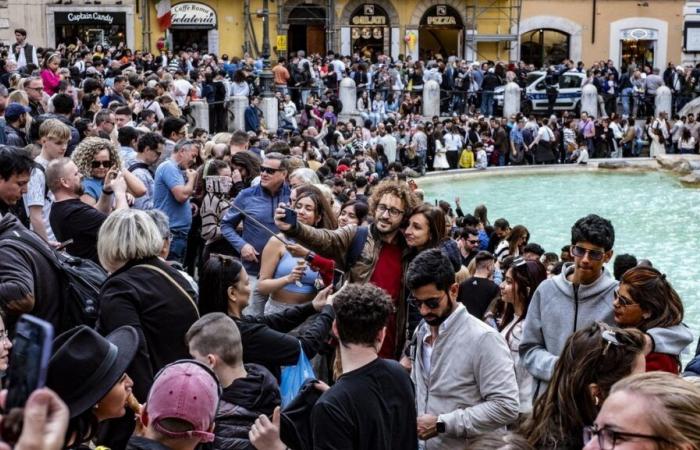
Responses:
[431,303]
[98,164]
[622,300]
[269,170]
[579,252]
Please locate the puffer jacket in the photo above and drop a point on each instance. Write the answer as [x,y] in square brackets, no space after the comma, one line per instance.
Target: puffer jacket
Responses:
[241,404]
[335,244]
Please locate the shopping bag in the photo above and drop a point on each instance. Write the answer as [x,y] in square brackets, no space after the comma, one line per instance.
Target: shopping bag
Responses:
[293,378]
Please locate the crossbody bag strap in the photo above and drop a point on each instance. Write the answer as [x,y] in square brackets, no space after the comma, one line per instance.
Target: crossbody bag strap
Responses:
[175,283]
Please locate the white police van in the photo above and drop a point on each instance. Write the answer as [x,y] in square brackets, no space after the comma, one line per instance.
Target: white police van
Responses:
[535,97]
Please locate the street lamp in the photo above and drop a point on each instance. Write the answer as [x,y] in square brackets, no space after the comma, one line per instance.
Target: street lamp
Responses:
[266,74]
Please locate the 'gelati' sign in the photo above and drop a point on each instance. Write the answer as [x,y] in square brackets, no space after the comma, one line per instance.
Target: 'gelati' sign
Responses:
[193,15]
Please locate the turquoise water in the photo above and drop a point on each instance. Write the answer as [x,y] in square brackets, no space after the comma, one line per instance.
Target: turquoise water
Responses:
[653,215]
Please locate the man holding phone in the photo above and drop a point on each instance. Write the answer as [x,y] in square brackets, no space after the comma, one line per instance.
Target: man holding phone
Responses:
[259,203]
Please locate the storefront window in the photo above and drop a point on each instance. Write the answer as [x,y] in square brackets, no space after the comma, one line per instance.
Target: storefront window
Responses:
[369,30]
[90,28]
[441,32]
[544,47]
[639,52]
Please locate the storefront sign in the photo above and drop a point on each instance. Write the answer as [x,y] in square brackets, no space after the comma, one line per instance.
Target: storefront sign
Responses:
[90,18]
[447,20]
[369,20]
[441,16]
[193,15]
[640,34]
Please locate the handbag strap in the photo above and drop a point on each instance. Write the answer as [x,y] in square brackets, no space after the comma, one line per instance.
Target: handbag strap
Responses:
[175,283]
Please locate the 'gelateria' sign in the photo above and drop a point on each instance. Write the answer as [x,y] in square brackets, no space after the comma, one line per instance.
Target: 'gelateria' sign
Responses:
[193,15]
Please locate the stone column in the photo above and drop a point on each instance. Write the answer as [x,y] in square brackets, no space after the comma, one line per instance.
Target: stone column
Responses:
[240,103]
[511,99]
[664,101]
[589,100]
[431,99]
[348,97]
[271,113]
[200,112]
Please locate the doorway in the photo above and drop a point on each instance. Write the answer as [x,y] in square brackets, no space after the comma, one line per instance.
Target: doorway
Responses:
[638,51]
[190,39]
[440,32]
[307,29]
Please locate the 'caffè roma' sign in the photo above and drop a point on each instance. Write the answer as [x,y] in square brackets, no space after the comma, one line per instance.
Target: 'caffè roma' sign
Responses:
[193,15]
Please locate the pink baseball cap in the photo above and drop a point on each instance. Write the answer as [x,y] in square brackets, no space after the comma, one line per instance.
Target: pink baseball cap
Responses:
[188,391]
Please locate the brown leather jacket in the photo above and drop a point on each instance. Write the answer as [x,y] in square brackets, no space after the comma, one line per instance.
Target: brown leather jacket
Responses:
[335,244]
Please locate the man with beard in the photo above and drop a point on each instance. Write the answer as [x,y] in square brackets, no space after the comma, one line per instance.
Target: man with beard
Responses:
[16,122]
[377,254]
[461,368]
[172,189]
[73,219]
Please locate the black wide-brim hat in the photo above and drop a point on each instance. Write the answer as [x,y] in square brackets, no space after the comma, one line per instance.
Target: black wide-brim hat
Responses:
[85,366]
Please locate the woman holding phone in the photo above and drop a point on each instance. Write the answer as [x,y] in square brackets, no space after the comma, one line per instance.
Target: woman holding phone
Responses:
[284,272]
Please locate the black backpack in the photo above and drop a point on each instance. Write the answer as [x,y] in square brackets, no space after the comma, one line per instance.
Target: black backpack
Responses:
[81,281]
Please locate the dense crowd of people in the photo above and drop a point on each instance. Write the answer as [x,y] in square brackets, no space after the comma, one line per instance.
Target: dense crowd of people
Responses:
[231,260]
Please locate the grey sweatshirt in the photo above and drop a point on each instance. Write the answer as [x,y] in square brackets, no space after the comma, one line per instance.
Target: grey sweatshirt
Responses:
[554,315]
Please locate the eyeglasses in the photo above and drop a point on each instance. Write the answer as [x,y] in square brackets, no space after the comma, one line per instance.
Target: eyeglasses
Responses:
[97,164]
[393,212]
[607,438]
[269,170]
[35,88]
[431,303]
[622,300]
[473,241]
[579,252]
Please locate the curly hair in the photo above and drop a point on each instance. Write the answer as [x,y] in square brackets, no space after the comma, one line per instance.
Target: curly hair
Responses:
[361,311]
[85,153]
[397,188]
[594,229]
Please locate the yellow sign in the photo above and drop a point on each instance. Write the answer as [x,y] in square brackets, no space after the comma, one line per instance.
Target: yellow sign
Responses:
[281,43]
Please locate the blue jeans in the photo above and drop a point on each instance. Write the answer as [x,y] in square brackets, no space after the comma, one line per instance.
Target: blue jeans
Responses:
[487,103]
[626,97]
[178,245]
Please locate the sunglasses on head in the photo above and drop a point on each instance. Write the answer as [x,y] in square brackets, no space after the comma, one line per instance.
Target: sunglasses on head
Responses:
[579,252]
[98,164]
[269,170]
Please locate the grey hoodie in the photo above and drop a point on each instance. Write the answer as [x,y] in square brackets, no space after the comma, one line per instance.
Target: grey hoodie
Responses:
[554,315]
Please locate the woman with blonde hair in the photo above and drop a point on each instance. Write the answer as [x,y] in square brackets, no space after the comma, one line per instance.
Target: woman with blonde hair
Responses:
[654,410]
[96,159]
[145,292]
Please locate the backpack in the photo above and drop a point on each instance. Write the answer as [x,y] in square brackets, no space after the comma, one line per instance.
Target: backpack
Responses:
[81,281]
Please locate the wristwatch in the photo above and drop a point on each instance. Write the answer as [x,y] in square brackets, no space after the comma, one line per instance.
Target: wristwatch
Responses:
[440,426]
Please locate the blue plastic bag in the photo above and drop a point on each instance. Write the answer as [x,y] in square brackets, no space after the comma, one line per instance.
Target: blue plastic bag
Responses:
[293,378]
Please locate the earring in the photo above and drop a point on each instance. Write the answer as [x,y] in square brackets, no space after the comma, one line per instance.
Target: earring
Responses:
[597,400]
[97,405]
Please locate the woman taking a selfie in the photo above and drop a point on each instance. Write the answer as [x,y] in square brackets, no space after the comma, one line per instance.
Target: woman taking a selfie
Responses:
[285,274]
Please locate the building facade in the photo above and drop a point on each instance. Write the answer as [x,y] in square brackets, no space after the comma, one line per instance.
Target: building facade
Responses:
[624,31]
[653,32]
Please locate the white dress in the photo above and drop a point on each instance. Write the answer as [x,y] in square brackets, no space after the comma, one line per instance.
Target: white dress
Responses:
[440,161]
[513,333]
[657,148]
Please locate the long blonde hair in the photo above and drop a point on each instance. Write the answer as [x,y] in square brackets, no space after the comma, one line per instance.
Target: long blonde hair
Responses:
[673,406]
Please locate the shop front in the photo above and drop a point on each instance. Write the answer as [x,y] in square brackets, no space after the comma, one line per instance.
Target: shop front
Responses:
[369,29]
[194,27]
[107,27]
[639,40]
[441,32]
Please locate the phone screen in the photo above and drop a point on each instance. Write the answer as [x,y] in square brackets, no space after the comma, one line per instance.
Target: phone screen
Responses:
[31,350]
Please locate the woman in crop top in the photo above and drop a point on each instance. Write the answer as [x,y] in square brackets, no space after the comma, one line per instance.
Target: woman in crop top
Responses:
[293,280]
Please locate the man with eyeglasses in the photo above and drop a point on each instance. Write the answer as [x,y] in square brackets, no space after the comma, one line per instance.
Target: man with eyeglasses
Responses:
[149,148]
[468,243]
[582,294]
[259,204]
[461,368]
[377,254]
[34,86]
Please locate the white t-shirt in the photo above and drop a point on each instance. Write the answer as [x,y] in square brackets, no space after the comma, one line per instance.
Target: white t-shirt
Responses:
[453,142]
[181,89]
[38,196]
